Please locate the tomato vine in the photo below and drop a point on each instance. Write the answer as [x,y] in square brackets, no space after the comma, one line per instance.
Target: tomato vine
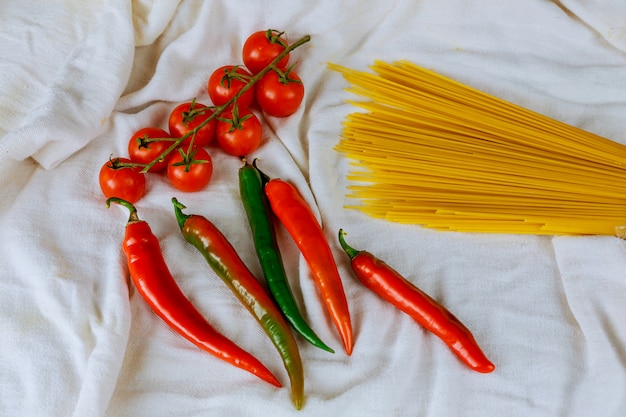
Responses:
[255,78]
[193,135]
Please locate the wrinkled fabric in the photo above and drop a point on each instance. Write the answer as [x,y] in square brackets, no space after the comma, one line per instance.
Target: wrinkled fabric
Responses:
[78,78]
[606,18]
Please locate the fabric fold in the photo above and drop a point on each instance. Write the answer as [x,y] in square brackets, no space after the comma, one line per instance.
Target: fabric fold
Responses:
[78,78]
[66,73]
[605,17]
[591,268]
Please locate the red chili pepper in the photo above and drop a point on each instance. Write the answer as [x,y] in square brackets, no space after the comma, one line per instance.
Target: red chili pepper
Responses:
[226,263]
[155,284]
[300,222]
[394,288]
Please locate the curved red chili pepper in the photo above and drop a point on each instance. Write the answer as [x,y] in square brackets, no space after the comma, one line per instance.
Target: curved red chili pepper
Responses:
[394,288]
[300,222]
[157,287]
[228,265]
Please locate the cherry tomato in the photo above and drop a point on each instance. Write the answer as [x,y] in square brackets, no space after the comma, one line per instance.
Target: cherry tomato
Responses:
[239,134]
[261,48]
[142,151]
[279,95]
[190,172]
[186,117]
[123,182]
[226,81]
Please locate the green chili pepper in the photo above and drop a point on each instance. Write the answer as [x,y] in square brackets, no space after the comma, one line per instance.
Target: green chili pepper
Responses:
[227,264]
[268,252]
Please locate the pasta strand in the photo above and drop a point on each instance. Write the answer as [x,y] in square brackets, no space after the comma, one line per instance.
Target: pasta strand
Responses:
[431,151]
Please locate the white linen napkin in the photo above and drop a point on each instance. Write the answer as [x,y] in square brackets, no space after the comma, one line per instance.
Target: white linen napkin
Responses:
[78,341]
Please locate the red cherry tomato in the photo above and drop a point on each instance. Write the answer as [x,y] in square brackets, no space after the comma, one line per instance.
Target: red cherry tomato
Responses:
[279,95]
[240,134]
[190,172]
[186,117]
[142,151]
[261,48]
[226,81]
[123,182]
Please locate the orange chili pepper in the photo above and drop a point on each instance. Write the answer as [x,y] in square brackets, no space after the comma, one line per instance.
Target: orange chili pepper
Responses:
[300,222]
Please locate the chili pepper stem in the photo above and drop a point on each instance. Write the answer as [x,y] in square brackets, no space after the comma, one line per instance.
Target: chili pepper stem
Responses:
[347,248]
[264,177]
[133,217]
[181,217]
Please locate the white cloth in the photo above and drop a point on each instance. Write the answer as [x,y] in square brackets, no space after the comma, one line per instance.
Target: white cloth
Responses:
[77,78]
[606,18]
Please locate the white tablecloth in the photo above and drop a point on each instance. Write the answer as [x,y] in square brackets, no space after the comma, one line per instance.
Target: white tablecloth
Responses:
[77,78]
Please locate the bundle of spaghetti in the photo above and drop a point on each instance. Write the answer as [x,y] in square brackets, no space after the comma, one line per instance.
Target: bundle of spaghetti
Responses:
[430,151]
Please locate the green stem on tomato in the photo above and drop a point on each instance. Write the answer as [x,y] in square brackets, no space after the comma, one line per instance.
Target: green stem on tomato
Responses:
[188,116]
[192,141]
[188,159]
[221,108]
[117,164]
[150,140]
[236,121]
[275,36]
[283,76]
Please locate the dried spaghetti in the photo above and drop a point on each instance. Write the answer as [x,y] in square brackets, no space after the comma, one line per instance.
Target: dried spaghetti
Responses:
[431,151]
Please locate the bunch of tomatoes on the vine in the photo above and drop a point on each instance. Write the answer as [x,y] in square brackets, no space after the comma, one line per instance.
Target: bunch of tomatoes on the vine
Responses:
[182,152]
